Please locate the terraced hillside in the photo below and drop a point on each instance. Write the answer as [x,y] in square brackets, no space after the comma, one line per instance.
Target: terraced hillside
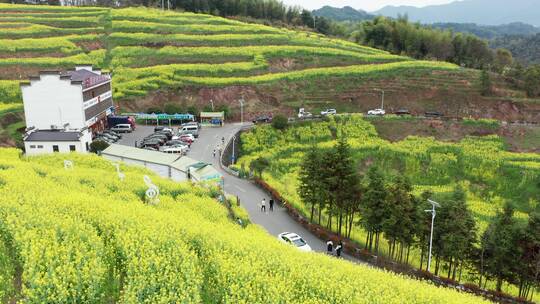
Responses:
[187,59]
[84,236]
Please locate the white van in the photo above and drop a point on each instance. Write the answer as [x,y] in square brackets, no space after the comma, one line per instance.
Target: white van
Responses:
[190,129]
[122,128]
[175,150]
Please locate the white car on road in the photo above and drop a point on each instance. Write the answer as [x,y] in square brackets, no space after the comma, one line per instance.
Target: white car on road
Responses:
[295,240]
[376,112]
[329,112]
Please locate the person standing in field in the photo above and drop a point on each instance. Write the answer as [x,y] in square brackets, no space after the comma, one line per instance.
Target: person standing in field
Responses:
[271,204]
[339,248]
[263,205]
[329,247]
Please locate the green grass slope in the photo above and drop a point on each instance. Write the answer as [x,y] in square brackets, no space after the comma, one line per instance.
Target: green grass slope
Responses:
[84,236]
[150,49]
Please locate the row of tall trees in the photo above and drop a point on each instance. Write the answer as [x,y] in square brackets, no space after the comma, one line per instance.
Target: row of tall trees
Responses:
[400,36]
[340,198]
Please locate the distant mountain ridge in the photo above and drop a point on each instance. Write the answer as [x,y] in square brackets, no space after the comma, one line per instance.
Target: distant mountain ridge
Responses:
[486,12]
[345,13]
[491,31]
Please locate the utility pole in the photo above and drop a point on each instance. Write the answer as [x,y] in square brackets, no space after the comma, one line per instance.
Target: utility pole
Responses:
[241,110]
[233,156]
[433,212]
[382,98]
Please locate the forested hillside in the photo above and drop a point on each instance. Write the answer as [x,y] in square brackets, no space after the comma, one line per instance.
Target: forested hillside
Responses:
[82,235]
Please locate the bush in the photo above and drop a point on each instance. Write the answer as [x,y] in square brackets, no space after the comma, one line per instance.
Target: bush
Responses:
[280,122]
[98,146]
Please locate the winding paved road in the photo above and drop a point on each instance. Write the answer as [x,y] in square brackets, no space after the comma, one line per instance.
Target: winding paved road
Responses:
[250,195]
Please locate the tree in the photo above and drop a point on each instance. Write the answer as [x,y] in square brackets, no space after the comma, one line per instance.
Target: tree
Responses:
[307,18]
[280,122]
[373,207]
[399,223]
[310,180]
[342,181]
[503,60]
[531,81]
[98,145]
[498,245]
[455,232]
[529,246]
[485,83]
[259,165]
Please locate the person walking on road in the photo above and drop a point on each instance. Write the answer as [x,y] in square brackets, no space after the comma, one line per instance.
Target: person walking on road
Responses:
[223,140]
[263,205]
[214,153]
[329,247]
[271,204]
[339,248]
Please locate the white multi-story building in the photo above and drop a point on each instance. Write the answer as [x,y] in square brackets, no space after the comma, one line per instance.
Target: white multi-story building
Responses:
[63,109]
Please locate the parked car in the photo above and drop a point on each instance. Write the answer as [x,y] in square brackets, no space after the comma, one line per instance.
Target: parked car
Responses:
[262,119]
[433,114]
[113,133]
[110,137]
[122,128]
[176,150]
[159,141]
[150,148]
[402,112]
[190,136]
[166,133]
[192,123]
[162,128]
[380,112]
[295,240]
[158,135]
[174,142]
[117,120]
[190,129]
[150,143]
[105,139]
[329,112]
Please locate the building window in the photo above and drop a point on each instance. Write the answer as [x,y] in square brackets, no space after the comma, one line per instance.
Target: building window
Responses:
[55,148]
[93,94]
[32,146]
[40,146]
[72,148]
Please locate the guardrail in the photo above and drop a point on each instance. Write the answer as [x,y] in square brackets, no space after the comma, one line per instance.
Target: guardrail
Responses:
[226,152]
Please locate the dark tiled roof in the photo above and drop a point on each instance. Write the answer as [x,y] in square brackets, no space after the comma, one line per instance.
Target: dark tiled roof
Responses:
[87,78]
[53,135]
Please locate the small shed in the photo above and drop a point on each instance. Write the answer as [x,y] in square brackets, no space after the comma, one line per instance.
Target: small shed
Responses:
[213,118]
[158,162]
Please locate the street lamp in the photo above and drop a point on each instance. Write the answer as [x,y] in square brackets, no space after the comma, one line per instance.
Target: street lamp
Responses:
[433,212]
[241,110]
[382,98]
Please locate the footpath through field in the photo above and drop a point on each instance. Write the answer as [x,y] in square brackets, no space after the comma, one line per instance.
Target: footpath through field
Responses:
[250,195]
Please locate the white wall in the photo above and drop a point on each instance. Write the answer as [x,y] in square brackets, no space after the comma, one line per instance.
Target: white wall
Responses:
[51,101]
[47,147]
[161,170]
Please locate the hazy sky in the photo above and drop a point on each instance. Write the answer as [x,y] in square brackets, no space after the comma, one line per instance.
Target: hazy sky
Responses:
[367,5]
